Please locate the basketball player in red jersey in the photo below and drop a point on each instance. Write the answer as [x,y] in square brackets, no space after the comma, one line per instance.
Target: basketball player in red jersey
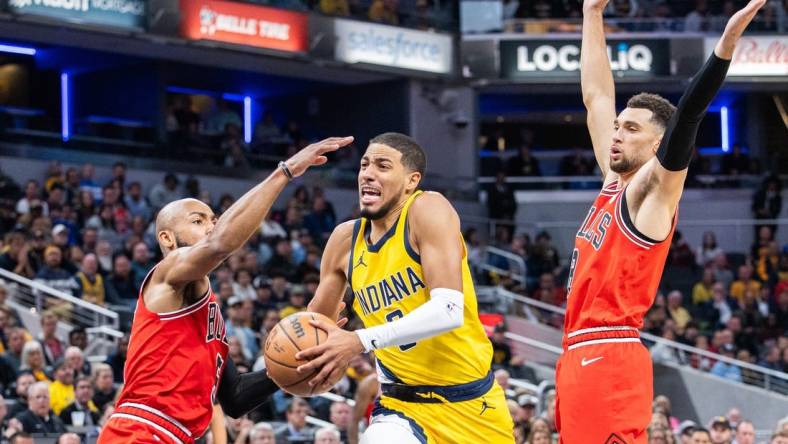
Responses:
[177,363]
[604,378]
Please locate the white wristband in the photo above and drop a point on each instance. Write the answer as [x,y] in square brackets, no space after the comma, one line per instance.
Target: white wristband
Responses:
[442,313]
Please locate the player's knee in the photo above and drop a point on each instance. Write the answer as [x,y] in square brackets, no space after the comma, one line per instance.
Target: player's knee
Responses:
[388,433]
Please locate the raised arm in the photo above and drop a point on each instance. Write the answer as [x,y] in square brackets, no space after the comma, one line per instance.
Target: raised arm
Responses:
[241,220]
[663,177]
[333,266]
[596,82]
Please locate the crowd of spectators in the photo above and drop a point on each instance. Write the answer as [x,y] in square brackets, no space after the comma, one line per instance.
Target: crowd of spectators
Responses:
[420,14]
[653,15]
[94,238]
[216,135]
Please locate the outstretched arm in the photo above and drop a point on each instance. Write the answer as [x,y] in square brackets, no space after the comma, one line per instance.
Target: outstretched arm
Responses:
[663,177]
[596,82]
[233,228]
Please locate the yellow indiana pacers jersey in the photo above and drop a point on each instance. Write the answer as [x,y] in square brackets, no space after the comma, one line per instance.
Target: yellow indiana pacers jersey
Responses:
[388,283]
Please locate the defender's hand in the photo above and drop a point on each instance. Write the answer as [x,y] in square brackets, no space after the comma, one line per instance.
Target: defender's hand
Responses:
[331,357]
[314,154]
[735,28]
[594,5]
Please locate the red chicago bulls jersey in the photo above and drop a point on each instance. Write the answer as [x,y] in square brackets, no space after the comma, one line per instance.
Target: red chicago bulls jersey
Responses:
[615,270]
[173,367]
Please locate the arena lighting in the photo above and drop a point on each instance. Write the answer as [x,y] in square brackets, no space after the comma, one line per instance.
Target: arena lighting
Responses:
[65,123]
[13,49]
[724,129]
[247,119]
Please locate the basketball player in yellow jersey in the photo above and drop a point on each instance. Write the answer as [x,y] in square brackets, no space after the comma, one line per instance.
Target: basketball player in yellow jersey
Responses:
[406,264]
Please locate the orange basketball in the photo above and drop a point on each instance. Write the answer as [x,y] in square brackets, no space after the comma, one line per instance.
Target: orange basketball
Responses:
[291,335]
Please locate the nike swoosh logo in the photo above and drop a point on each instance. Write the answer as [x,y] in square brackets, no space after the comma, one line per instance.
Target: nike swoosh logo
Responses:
[590,361]
[374,344]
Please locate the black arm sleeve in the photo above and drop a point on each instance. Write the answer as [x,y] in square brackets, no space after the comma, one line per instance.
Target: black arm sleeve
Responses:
[241,393]
[675,150]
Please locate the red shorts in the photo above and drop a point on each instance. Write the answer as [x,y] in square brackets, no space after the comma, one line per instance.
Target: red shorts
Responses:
[139,429]
[604,392]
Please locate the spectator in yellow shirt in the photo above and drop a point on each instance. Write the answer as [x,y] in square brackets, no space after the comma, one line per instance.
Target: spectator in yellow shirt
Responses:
[296,302]
[61,391]
[679,314]
[335,7]
[701,292]
[384,11]
[743,283]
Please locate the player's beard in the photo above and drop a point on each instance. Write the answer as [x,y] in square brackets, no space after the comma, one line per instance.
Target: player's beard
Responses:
[180,243]
[382,211]
[623,166]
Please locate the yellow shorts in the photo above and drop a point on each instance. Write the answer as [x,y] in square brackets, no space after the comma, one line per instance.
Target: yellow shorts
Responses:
[484,419]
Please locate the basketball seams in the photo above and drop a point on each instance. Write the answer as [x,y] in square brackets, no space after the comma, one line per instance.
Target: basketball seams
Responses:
[300,381]
[288,337]
[317,331]
[281,363]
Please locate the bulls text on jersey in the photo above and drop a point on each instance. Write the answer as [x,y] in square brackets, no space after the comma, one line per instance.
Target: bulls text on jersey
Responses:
[594,227]
[387,291]
[216,330]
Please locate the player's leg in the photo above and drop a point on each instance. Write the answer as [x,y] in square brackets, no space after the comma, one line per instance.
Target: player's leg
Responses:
[395,422]
[605,394]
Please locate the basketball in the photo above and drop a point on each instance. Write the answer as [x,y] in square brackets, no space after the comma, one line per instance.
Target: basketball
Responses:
[291,335]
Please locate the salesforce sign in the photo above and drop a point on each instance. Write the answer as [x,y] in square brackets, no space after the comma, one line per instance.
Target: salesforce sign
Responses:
[359,42]
[561,58]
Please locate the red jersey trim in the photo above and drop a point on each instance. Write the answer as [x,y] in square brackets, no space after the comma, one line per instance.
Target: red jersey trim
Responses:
[628,233]
[168,316]
[169,434]
[158,413]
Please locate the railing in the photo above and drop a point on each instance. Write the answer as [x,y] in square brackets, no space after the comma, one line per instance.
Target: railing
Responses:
[628,25]
[759,376]
[513,260]
[595,181]
[37,297]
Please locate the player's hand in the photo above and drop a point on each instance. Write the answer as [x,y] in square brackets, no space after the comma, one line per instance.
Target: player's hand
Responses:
[331,357]
[594,5]
[735,28]
[315,154]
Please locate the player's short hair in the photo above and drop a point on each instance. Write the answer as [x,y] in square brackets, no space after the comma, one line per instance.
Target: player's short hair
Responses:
[413,156]
[662,110]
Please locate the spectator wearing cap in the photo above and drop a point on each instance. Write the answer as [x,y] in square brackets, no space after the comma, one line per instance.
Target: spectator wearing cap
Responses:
[165,192]
[685,431]
[527,408]
[725,370]
[83,404]
[296,302]
[53,273]
[90,283]
[720,430]
[240,316]
[502,351]
[14,257]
